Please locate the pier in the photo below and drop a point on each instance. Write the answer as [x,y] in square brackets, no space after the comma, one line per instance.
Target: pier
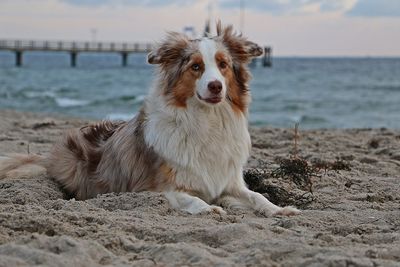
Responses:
[19,47]
[73,48]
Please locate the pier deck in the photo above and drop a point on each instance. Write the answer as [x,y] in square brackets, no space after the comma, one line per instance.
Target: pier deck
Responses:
[74,48]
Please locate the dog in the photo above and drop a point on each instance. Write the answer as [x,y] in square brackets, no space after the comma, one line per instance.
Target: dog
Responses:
[189,140]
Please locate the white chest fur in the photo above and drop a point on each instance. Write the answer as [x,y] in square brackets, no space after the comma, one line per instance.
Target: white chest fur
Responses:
[207,147]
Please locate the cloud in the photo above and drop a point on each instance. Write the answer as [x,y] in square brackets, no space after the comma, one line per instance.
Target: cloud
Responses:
[147,3]
[375,8]
[274,7]
[351,8]
[282,7]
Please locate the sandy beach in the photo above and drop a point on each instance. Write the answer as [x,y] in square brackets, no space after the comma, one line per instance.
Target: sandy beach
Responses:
[351,215]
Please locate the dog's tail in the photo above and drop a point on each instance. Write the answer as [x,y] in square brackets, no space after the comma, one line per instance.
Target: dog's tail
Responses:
[22,165]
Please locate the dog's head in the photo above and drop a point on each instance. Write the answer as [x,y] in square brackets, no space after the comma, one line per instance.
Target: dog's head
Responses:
[210,70]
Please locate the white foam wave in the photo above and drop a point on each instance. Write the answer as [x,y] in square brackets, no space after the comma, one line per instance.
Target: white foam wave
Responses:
[120,116]
[69,102]
[37,94]
[140,98]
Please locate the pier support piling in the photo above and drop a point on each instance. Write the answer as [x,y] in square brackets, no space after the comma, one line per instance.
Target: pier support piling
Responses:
[18,58]
[267,60]
[124,59]
[73,58]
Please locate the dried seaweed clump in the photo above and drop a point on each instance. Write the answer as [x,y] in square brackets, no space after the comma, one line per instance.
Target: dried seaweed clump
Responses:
[258,180]
[337,165]
[43,124]
[297,170]
[255,178]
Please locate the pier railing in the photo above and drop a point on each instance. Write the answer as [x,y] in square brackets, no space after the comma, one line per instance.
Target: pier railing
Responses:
[73,48]
[66,46]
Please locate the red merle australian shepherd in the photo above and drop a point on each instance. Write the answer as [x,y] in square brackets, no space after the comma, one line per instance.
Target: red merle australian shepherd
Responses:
[190,139]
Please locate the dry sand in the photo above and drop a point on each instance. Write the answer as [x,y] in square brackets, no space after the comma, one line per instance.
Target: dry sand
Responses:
[352,218]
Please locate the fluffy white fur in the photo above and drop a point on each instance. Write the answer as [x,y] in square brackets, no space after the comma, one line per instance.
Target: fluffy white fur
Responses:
[208,48]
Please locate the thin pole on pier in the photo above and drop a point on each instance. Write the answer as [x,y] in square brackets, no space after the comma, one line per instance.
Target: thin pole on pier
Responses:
[267,60]
[18,58]
[73,58]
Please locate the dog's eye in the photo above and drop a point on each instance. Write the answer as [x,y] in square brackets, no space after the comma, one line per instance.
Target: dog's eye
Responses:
[223,65]
[196,67]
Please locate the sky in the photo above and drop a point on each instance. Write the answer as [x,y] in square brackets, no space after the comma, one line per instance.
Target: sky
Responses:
[291,27]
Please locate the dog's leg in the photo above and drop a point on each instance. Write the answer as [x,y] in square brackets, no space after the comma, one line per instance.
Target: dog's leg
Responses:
[242,197]
[191,204]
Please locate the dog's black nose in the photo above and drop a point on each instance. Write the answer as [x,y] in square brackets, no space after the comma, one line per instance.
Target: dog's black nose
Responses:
[215,87]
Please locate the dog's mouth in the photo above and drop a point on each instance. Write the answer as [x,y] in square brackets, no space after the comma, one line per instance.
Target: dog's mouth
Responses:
[210,100]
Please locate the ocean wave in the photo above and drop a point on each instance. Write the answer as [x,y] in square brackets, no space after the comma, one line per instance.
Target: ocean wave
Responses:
[117,100]
[69,102]
[120,116]
[38,94]
[390,88]
[135,99]
[140,98]
[63,102]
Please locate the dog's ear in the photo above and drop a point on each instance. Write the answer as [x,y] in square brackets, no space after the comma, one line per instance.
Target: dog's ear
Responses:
[240,48]
[169,50]
[152,58]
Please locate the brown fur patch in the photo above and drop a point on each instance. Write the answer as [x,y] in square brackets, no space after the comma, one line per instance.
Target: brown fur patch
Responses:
[94,157]
[72,144]
[171,55]
[74,162]
[184,87]
[175,55]
[166,178]
[241,51]
[170,50]
[238,98]
[224,62]
[239,47]
[183,90]
[100,132]
[96,135]
[238,93]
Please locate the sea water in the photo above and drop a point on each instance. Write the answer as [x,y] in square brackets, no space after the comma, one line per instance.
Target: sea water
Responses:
[314,92]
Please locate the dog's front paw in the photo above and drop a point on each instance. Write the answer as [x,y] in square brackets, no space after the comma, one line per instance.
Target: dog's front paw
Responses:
[217,210]
[287,211]
[214,209]
[265,213]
